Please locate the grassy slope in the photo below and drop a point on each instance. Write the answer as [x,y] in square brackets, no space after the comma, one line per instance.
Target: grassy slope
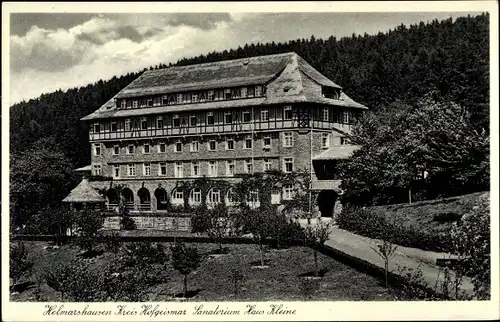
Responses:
[279,282]
[422,214]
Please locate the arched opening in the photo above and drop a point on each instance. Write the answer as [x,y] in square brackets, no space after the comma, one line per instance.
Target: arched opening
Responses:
[230,198]
[195,197]
[145,199]
[177,197]
[326,202]
[253,199]
[161,199]
[128,195]
[213,197]
[113,199]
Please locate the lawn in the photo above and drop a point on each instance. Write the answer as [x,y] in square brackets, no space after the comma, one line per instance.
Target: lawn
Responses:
[212,280]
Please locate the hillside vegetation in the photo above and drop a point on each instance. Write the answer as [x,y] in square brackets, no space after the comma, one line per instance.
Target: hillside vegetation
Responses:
[449,59]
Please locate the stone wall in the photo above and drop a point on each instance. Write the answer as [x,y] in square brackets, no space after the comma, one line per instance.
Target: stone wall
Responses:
[152,223]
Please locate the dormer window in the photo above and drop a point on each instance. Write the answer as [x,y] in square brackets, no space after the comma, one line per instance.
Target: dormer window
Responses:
[330,92]
[179,99]
[227,94]
[157,101]
[164,100]
[251,91]
[210,95]
[150,102]
[135,104]
[258,91]
[123,104]
[97,127]
[194,97]
[142,103]
[202,97]
[235,94]
[243,92]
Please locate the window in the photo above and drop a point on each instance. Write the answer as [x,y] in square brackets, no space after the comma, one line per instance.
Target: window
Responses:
[325,114]
[164,100]
[159,122]
[97,127]
[267,164]
[264,115]
[97,149]
[135,104]
[178,197]
[253,199]
[144,123]
[97,169]
[116,149]
[195,169]
[287,113]
[114,128]
[288,139]
[150,102]
[212,145]
[258,91]
[230,167]
[344,140]
[214,196]
[178,146]
[212,168]
[275,196]
[116,170]
[176,121]
[266,142]
[162,169]
[192,120]
[130,149]
[194,97]
[246,117]
[157,101]
[131,169]
[287,192]
[146,169]
[195,196]
[288,165]
[127,125]
[195,147]
[228,118]
[179,170]
[227,94]
[251,91]
[123,104]
[229,144]
[235,93]
[248,142]
[345,117]
[248,166]
[146,148]
[180,99]
[230,198]
[142,103]
[325,140]
[210,95]
[243,92]
[210,118]
[162,147]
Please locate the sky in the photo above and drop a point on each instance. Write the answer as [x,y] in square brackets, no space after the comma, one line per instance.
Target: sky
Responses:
[50,51]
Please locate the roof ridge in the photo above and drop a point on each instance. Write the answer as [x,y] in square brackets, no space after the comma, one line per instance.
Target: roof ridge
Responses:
[289,53]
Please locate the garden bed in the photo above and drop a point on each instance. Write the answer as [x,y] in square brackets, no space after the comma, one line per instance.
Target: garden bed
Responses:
[212,280]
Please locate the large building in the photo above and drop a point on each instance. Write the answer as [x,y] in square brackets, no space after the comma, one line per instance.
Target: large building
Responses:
[216,120]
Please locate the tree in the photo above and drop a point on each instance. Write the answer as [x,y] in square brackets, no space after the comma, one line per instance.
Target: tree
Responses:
[217,223]
[185,259]
[316,237]
[19,262]
[89,223]
[259,223]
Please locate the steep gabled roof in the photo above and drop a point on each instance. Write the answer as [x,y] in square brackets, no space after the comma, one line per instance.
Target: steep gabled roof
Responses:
[288,78]
[84,192]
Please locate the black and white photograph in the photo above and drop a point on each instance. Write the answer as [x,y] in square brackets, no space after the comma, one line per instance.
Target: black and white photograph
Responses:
[231,164]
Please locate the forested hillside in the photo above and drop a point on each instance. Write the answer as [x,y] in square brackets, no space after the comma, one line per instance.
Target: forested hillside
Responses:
[449,59]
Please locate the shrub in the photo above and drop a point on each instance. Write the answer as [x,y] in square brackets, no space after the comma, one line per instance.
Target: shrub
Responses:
[361,221]
[315,237]
[19,263]
[89,223]
[145,253]
[471,241]
[285,233]
[127,223]
[112,243]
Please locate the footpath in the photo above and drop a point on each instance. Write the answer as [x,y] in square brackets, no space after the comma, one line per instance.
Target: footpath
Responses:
[362,247]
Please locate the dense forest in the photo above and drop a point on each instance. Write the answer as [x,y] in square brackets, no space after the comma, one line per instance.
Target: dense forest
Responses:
[447,59]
